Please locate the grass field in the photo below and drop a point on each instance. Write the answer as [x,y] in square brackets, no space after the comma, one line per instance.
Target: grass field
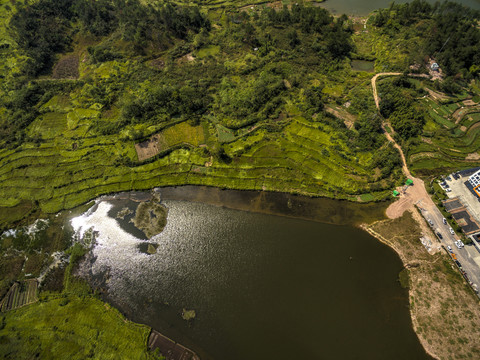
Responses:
[71,327]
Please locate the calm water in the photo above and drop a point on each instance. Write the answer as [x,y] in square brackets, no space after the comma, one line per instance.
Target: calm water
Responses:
[363,65]
[364,7]
[262,286]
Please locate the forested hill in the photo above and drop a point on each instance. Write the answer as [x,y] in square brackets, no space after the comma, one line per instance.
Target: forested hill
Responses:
[448,31]
[110,95]
[46,27]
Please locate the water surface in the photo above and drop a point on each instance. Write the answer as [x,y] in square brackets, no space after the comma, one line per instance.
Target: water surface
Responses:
[363,65]
[262,286]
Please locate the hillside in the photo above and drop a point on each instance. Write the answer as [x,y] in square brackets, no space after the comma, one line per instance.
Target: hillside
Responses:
[236,99]
[105,96]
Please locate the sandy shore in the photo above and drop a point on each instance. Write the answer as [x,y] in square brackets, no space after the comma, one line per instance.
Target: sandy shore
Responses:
[444,311]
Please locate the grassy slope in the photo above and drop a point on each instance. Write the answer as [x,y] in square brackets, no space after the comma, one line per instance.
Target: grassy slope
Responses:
[71,327]
[73,163]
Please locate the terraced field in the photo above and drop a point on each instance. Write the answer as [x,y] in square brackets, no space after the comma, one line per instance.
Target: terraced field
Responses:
[450,139]
[82,145]
[20,294]
[71,165]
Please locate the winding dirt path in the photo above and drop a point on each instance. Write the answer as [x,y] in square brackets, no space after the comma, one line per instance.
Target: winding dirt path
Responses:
[416,194]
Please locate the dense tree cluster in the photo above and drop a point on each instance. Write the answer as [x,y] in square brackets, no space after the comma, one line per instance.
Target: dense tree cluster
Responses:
[335,33]
[44,28]
[450,32]
[164,101]
[242,100]
[398,105]
[22,108]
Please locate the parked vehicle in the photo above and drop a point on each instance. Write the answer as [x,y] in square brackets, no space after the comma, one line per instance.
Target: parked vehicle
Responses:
[458,263]
[430,222]
[460,242]
[457,245]
[444,221]
[449,248]
[439,235]
[451,231]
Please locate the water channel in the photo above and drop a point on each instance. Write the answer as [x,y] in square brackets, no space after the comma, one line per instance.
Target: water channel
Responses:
[262,286]
[364,7]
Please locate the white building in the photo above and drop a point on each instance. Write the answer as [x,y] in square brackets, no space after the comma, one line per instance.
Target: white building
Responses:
[474,180]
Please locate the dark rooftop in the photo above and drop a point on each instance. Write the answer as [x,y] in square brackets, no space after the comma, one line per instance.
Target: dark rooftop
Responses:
[452,204]
[465,221]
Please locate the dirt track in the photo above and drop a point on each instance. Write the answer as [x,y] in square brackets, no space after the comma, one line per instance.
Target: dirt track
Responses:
[416,194]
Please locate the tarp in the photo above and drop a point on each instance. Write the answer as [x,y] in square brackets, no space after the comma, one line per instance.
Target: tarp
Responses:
[409,182]
[395,193]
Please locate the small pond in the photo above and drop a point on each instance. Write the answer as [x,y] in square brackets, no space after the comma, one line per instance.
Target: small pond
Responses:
[363,65]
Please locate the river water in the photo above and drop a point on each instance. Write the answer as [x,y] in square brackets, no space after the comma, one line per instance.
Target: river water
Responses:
[364,7]
[262,286]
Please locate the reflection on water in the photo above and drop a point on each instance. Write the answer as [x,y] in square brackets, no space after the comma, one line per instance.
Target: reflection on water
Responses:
[262,286]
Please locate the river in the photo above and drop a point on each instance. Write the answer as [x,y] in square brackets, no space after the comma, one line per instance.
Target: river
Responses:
[262,286]
[364,7]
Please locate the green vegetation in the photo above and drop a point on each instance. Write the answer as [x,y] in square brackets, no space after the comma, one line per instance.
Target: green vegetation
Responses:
[434,121]
[225,97]
[71,327]
[69,322]
[448,31]
[398,106]
[110,95]
[150,217]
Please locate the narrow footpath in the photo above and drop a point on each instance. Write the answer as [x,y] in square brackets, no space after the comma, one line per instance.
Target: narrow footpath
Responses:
[416,194]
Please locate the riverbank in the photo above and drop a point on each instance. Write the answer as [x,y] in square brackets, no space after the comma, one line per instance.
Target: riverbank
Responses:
[444,310]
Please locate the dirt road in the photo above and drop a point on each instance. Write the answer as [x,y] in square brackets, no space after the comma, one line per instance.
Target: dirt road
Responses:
[414,194]
[417,195]
[389,137]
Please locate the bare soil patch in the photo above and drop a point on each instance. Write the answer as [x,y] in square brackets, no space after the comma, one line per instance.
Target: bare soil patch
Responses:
[147,149]
[422,155]
[158,63]
[445,312]
[181,133]
[473,156]
[67,68]
[185,59]
[347,118]
[469,102]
